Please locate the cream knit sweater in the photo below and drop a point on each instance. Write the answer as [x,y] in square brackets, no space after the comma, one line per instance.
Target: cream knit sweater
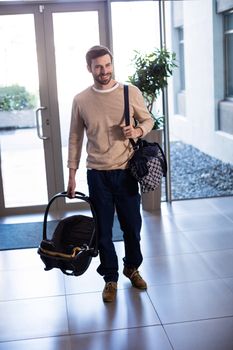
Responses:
[101,114]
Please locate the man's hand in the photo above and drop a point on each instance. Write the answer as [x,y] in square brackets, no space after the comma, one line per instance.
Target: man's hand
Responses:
[132,133]
[71,183]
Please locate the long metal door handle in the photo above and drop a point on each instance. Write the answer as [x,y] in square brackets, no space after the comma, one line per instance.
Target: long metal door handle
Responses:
[39,133]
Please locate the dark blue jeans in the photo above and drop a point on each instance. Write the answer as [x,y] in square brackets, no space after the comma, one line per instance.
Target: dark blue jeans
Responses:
[109,191]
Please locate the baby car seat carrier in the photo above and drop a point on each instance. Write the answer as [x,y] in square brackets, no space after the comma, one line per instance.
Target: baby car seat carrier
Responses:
[73,243]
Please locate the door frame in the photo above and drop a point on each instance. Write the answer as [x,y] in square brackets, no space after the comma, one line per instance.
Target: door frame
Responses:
[48,93]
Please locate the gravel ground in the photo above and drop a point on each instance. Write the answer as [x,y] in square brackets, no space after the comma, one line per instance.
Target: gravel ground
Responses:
[195,174]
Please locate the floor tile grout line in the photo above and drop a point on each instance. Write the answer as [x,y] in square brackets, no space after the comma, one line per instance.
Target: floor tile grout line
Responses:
[34,338]
[198,320]
[67,335]
[58,295]
[99,291]
[162,325]
[185,234]
[67,315]
[226,284]
[220,211]
[186,254]
[187,282]
[159,319]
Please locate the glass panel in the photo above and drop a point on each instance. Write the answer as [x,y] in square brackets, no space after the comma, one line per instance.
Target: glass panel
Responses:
[181,58]
[22,155]
[71,46]
[181,34]
[229,21]
[137,19]
[138,30]
[201,159]
[229,57]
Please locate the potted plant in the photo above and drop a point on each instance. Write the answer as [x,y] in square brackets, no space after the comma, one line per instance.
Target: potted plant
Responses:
[150,76]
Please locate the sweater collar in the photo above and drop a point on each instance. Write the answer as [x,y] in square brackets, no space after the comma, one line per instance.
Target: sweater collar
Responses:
[107,90]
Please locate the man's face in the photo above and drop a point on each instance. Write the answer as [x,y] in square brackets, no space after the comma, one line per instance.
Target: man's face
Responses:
[101,69]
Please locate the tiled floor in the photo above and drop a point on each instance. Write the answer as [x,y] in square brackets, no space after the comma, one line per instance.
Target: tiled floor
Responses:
[188,264]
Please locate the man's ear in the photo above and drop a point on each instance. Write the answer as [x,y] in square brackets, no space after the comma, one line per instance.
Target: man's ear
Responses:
[89,68]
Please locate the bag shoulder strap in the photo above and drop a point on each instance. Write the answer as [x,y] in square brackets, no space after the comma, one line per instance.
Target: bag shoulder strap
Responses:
[126,100]
[126,112]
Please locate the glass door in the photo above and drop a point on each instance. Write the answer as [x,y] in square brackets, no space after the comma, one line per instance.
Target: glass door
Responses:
[72,76]
[22,154]
[42,67]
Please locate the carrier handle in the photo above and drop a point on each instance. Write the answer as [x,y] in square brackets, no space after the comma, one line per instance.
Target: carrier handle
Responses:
[67,273]
[78,195]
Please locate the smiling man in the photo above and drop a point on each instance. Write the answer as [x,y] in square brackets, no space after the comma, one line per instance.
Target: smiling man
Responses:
[101,69]
[99,111]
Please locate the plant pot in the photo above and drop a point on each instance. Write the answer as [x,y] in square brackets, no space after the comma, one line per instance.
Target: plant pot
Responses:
[152,200]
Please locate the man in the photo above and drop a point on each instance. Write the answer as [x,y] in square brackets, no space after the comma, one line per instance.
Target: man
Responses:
[99,110]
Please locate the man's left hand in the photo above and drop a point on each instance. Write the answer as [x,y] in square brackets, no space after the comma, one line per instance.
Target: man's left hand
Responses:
[132,133]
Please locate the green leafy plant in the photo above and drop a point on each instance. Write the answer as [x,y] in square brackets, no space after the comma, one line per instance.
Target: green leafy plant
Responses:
[16,98]
[150,76]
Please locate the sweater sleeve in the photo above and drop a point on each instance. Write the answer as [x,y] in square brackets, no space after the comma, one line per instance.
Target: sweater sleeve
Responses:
[140,112]
[75,137]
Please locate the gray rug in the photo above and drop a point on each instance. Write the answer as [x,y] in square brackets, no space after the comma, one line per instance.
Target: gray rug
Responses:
[29,235]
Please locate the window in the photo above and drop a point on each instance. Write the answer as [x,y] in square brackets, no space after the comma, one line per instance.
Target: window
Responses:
[181,57]
[135,27]
[228,33]
[179,81]
[138,30]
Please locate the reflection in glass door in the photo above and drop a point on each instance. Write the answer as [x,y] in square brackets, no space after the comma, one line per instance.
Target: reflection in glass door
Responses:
[22,154]
[71,46]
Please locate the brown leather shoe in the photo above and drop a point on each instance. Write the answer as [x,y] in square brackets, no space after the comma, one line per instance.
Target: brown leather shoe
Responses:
[109,292]
[135,278]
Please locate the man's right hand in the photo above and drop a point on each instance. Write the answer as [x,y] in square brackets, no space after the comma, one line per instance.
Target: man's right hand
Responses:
[71,183]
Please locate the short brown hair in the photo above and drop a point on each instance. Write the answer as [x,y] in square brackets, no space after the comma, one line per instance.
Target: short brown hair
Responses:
[97,51]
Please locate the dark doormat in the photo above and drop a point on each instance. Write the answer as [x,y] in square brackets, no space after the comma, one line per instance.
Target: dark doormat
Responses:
[29,235]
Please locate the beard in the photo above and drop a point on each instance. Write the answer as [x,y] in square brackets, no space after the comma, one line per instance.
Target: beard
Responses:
[103,79]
